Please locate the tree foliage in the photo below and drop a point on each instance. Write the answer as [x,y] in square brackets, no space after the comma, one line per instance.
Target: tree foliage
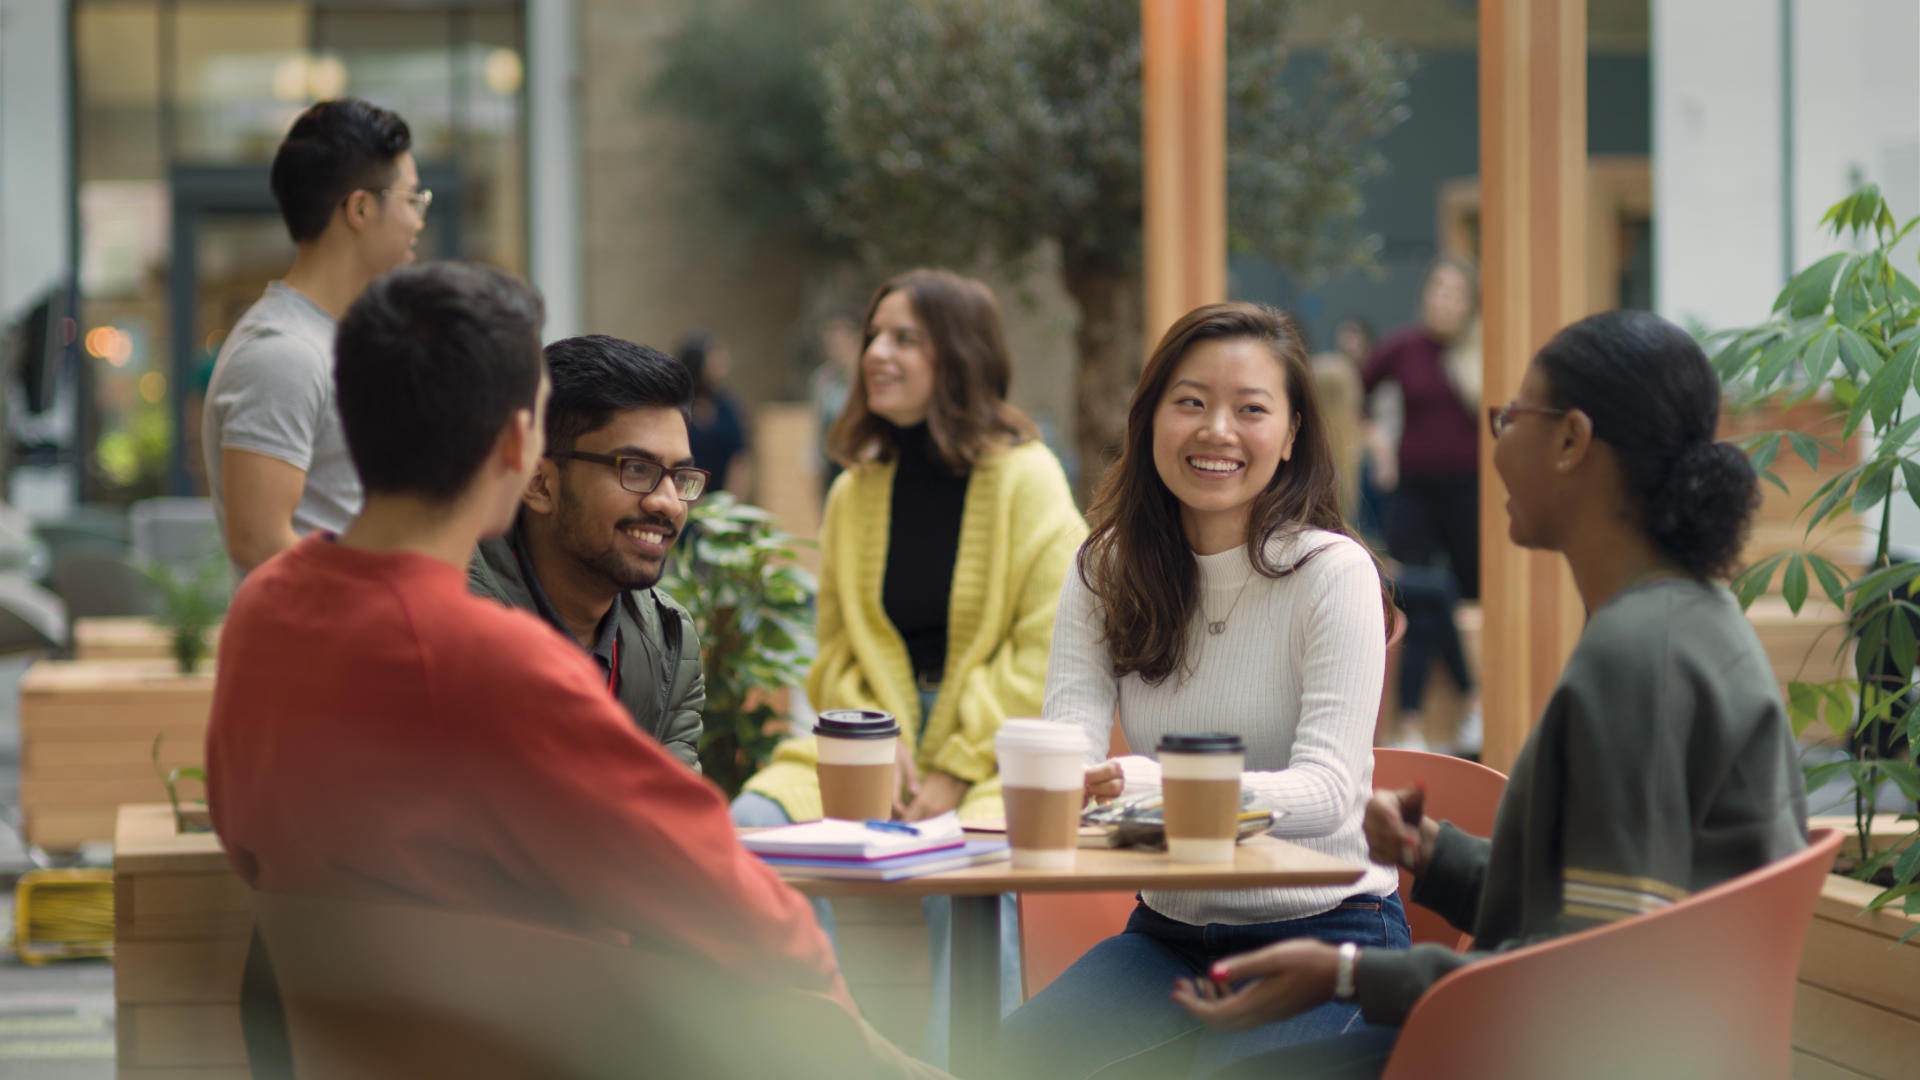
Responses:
[979,127]
[963,132]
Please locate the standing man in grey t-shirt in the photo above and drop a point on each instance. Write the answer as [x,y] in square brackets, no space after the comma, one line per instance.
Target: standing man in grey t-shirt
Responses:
[276,458]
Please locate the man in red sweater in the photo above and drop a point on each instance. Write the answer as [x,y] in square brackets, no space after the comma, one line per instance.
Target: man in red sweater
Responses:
[378,733]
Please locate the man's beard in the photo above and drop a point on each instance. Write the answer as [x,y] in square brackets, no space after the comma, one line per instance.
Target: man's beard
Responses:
[602,554]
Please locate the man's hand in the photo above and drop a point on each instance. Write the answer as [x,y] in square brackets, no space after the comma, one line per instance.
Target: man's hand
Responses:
[909,787]
[1104,781]
[939,793]
[1288,978]
[1398,831]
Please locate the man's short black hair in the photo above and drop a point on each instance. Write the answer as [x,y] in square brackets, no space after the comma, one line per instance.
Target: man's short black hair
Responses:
[596,376]
[335,149]
[429,364]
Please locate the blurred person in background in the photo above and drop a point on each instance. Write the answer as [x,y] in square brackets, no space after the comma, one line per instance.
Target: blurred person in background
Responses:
[1435,508]
[276,461]
[1432,523]
[839,344]
[718,429]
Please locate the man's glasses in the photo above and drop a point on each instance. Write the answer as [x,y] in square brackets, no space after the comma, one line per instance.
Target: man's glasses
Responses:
[641,476]
[420,199]
[1500,417]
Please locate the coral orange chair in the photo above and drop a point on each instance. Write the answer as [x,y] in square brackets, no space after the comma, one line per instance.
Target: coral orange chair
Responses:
[1701,989]
[1058,928]
[1464,792]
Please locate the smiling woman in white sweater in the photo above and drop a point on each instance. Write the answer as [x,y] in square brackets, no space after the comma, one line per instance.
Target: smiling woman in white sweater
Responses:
[1220,591]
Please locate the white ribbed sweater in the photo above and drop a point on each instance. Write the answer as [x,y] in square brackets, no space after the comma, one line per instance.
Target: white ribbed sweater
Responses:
[1297,673]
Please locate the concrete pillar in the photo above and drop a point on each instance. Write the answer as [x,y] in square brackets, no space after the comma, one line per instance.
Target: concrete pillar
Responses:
[553,164]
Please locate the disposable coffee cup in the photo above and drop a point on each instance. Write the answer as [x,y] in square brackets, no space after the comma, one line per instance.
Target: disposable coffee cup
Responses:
[1043,770]
[856,766]
[1200,792]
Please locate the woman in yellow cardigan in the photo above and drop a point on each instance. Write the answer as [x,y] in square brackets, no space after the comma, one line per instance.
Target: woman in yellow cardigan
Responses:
[945,545]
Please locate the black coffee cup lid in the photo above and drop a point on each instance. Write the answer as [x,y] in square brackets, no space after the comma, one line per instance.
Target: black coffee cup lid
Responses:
[1203,742]
[857,724]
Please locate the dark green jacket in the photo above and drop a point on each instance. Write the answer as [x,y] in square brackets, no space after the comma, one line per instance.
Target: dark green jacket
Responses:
[661,681]
[1664,764]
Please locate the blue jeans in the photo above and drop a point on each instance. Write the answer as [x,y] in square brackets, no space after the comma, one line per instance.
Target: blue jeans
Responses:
[1110,1014]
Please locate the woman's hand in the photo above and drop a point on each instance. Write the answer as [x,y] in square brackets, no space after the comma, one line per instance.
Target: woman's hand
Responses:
[909,787]
[1104,781]
[1287,979]
[939,793]
[1398,831]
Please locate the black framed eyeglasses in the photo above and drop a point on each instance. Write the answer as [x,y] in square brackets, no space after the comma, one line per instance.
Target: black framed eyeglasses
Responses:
[641,476]
[1500,417]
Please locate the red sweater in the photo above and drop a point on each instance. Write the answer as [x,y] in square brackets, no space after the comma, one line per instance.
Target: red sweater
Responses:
[1439,434]
[380,734]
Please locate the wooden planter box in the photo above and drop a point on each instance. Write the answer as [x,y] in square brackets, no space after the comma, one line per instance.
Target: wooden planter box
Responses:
[130,637]
[181,922]
[1857,1008]
[86,742]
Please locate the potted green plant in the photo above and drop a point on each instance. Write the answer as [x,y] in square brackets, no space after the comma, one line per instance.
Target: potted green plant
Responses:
[190,605]
[753,605]
[1845,333]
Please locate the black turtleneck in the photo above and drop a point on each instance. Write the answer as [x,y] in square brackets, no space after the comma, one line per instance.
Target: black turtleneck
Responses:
[923,539]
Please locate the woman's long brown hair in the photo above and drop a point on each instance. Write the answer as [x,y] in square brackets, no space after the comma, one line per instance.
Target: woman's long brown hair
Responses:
[968,414]
[1137,561]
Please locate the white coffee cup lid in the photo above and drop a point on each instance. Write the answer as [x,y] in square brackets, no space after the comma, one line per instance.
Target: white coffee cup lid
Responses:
[1041,735]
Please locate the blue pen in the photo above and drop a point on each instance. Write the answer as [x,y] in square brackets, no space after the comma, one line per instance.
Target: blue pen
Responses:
[892,826]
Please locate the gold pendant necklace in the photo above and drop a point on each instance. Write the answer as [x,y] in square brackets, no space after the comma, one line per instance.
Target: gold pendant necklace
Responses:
[1217,627]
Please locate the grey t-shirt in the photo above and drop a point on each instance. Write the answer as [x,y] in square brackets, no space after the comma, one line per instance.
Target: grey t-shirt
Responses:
[272,394]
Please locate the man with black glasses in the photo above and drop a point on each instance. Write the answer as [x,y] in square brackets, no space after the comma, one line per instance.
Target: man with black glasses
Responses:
[596,523]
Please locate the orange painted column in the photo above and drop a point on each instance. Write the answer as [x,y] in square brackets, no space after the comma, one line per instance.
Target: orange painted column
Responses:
[1533,164]
[1184,157]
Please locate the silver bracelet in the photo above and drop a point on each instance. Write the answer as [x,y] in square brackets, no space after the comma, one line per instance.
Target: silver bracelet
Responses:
[1345,959]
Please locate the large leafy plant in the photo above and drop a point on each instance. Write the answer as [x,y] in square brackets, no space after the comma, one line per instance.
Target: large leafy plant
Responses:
[753,606]
[1846,331]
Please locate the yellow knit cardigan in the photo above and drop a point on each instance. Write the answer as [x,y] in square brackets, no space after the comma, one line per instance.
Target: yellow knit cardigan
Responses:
[1019,531]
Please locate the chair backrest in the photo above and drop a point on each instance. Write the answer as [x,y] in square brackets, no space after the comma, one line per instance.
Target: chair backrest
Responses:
[1701,989]
[376,991]
[1464,792]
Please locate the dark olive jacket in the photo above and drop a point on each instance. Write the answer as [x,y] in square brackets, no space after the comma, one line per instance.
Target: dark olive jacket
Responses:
[661,681]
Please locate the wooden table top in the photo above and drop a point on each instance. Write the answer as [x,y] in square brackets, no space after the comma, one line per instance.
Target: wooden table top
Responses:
[1261,862]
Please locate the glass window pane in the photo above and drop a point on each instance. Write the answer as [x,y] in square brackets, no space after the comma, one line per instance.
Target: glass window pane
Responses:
[240,75]
[117,67]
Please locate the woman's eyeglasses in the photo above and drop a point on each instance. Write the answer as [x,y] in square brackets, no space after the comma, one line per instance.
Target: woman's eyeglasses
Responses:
[1500,417]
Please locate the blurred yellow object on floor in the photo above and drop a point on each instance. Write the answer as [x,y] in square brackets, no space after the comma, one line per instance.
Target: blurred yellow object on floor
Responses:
[63,914]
